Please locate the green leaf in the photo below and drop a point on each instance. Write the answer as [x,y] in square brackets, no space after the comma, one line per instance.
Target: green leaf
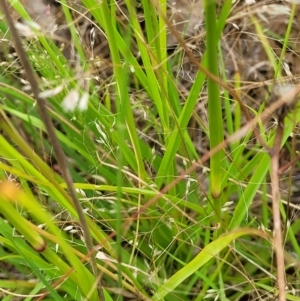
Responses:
[209,252]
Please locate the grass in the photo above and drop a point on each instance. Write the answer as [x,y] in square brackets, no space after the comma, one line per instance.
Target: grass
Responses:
[169,219]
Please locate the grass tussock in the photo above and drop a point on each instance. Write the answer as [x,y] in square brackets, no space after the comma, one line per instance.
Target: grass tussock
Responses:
[149,151]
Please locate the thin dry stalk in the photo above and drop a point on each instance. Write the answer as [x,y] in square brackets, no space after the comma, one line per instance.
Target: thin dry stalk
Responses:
[282,111]
[278,241]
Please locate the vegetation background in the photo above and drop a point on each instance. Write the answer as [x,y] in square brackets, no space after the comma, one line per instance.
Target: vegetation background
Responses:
[171,118]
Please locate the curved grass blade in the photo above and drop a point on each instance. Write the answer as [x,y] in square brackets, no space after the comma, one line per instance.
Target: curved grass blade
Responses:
[209,252]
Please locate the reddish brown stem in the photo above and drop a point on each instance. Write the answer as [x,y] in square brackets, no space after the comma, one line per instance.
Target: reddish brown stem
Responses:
[278,241]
